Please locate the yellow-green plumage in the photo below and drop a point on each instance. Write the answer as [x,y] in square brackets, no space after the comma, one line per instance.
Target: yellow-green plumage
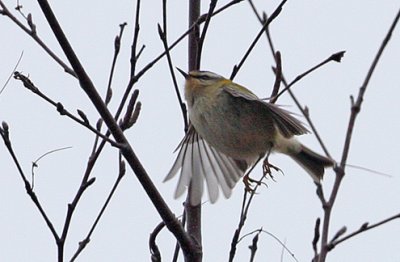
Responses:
[231,129]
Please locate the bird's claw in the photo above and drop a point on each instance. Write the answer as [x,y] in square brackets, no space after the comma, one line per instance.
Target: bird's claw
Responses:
[267,169]
[247,180]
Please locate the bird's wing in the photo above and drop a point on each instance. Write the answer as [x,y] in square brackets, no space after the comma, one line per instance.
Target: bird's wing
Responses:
[284,120]
[198,161]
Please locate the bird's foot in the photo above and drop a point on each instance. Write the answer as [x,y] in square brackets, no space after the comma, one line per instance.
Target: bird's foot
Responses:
[248,183]
[267,169]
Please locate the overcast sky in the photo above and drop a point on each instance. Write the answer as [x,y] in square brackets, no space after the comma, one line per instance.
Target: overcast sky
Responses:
[306,32]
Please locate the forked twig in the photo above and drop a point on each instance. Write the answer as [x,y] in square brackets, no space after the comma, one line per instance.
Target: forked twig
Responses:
[340,170]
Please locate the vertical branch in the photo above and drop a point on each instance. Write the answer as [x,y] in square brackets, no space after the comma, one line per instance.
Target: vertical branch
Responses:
[194,14]
[193,213]
[163,35]
[135,39]
[213,3]
[355,110]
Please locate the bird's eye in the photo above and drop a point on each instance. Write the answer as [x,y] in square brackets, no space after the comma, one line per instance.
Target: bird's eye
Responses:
[204,77]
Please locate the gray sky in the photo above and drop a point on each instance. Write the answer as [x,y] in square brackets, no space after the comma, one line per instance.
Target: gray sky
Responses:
[306,33]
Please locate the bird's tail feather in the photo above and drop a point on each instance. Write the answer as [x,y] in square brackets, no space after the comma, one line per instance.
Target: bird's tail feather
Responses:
[312,162]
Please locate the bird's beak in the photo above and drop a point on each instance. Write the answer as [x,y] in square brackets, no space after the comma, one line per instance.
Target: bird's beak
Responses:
[185,75]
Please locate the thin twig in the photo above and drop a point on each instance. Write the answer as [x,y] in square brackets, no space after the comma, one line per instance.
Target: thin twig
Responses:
[340,170]
[364,227]
[275,14]
[335,57]
[134,55]
[60,108]
[117,47]
[36,38]
[317,235]
[4,132]
[253,247]
[35,163]
[211,8]
[282,243]
[12,73]
[243,216]
[87,85]
[278,77]
[163,35]
[303,110]
[86,240]
[200,20]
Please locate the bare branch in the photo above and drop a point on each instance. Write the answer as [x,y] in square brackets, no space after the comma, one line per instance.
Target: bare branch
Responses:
[36,38]
[134,55]
[5,135]
[282,243]
[211,8]
[155,252]
[335,57]
[302,109]
[243,215]
[278,77]
[163,35]
[340,170]
[275,14]
[86,240]
[199,21]
[60,108]
[316,236]
[253,247]
[364,227]
[117,47]
[87,85]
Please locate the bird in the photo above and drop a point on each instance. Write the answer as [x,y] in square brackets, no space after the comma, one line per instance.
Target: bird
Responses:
[230,130]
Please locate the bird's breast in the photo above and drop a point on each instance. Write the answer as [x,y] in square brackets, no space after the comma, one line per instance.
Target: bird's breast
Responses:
[234,126]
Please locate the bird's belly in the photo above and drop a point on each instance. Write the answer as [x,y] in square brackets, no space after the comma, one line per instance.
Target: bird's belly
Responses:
[236,130]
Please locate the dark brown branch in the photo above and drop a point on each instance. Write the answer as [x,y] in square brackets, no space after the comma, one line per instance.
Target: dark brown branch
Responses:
[317,236]
[193,213]
[87,85]
[163,35]
[134,55]
[155,252]
[117,47]
[211,8]
[253,247]
[278,77]
[177,247]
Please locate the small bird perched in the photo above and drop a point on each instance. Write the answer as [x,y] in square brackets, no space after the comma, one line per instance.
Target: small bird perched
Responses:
[230,130]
